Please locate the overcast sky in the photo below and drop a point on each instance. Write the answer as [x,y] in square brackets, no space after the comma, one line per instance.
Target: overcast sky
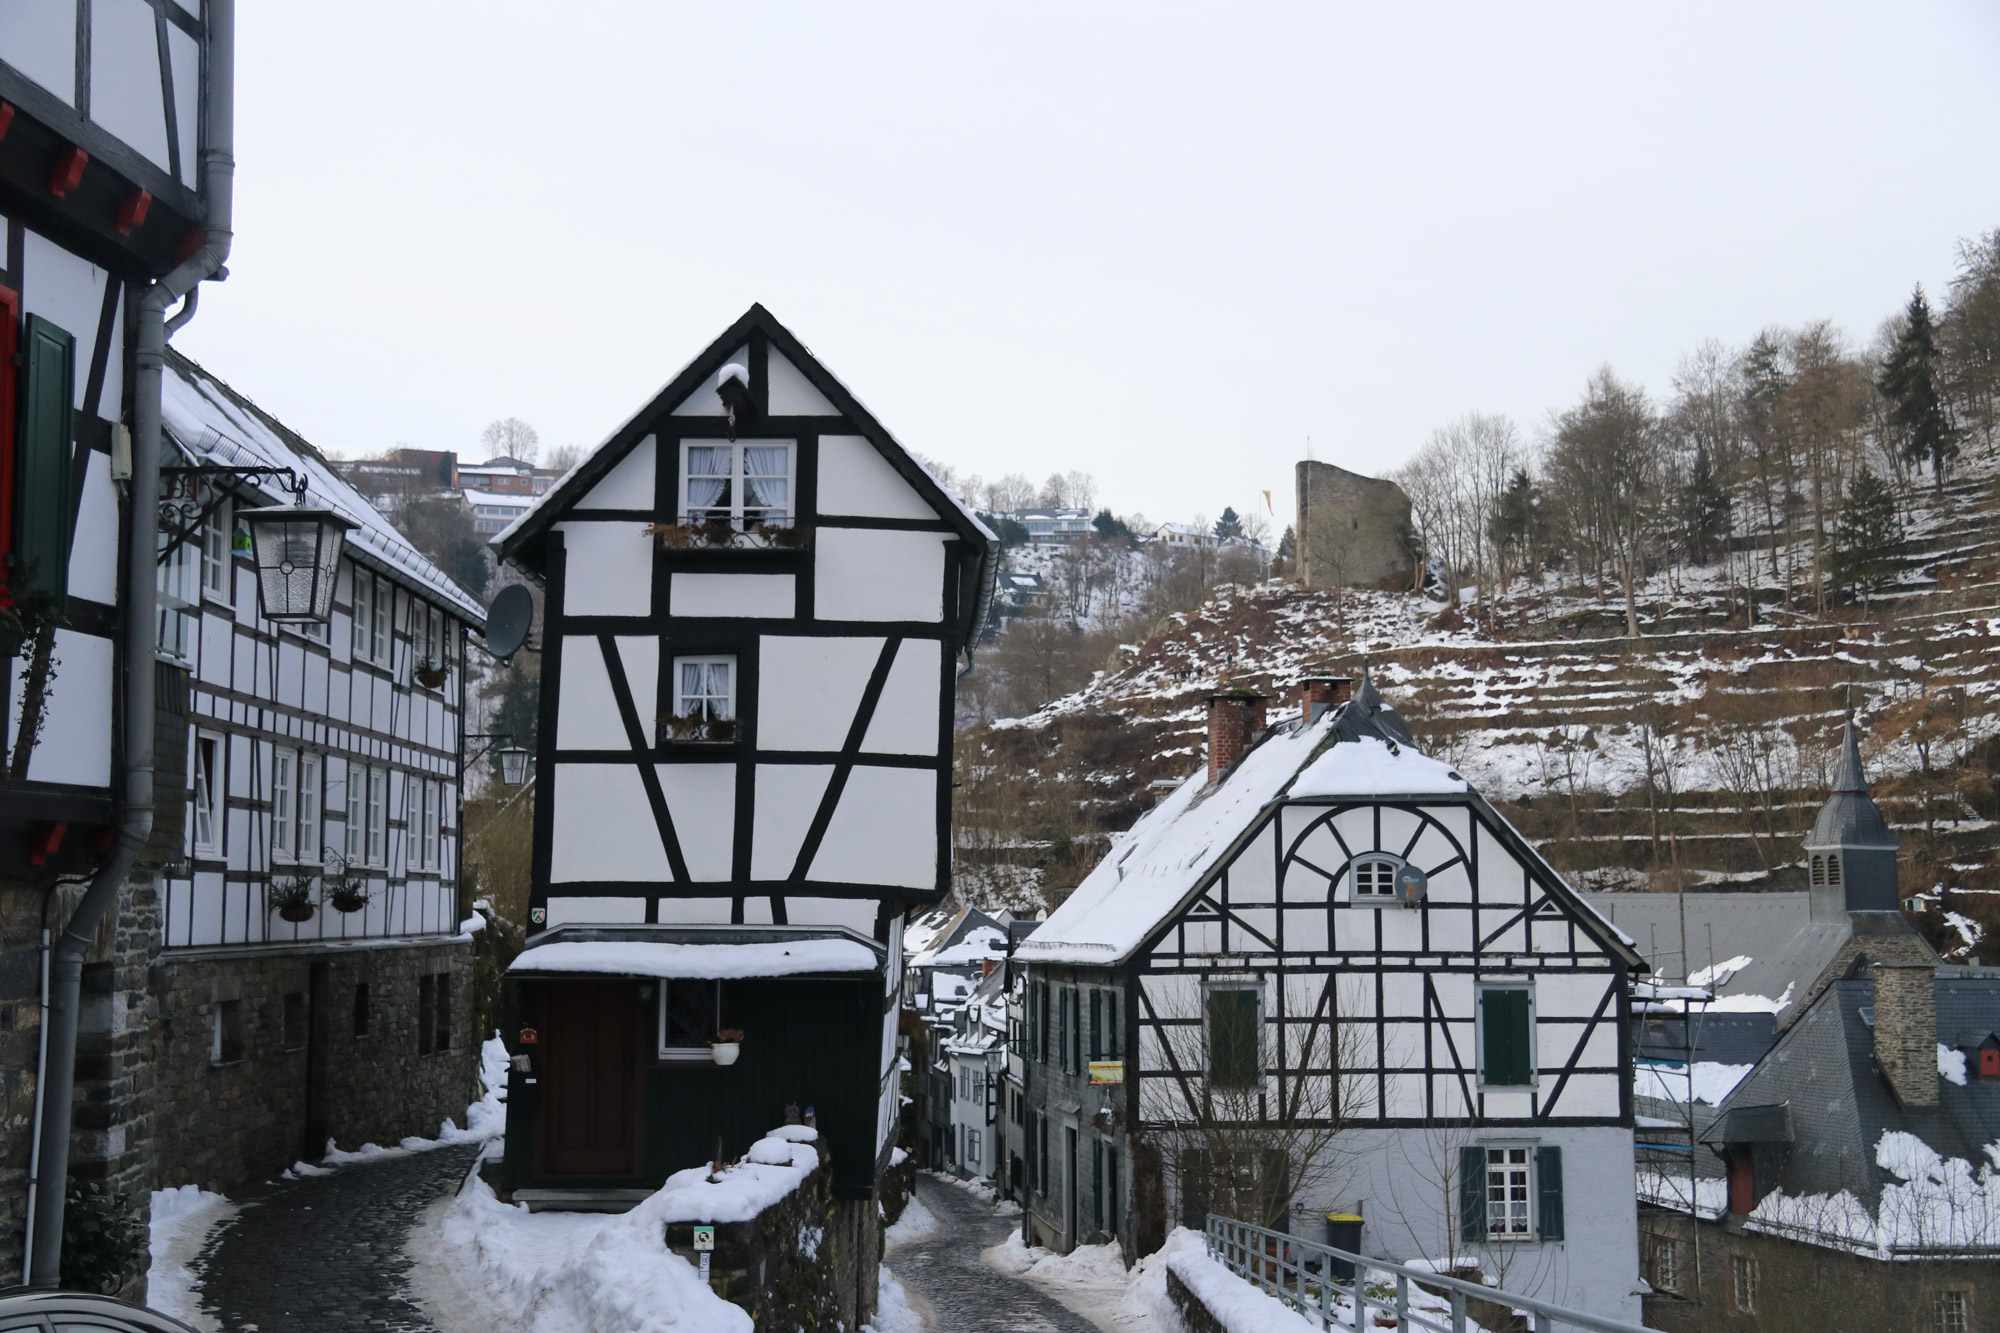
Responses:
[1163,244]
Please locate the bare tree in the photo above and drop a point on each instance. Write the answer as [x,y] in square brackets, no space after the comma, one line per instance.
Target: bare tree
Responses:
[1009,493]
[565,457]
[511,437]
[1603,463]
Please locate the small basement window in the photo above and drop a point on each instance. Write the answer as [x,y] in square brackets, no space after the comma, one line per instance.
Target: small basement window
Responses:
[225,1032]
[690,1013]
[1374,878]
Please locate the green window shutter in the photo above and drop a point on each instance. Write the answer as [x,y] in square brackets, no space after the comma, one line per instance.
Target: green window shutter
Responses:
[1096,1024]
[1504,1052]
[1233,1038]
[1471,1194]
[1549,1189]
[43,452]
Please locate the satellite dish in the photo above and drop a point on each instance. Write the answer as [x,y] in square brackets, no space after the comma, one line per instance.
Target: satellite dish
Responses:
[508,621]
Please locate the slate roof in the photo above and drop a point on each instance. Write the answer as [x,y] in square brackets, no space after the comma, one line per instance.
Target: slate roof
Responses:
[1824,1070]
[1785,946]
[1850,817]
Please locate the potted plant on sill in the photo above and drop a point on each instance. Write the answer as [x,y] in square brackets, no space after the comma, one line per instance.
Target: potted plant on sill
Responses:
[728,1044]
[431,673]
[696,729]
[291,898]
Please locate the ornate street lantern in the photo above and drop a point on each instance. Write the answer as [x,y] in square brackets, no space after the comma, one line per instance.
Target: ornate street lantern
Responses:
[298,557]
[513,765]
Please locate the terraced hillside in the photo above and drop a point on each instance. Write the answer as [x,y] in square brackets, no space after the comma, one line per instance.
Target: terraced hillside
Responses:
[1696,753]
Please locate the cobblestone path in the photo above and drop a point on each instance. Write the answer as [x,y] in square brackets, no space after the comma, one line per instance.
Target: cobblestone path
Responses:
[959,1293]
[325,1253]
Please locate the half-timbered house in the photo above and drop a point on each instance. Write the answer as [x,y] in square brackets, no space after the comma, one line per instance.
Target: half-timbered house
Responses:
[756,601]
[1325,977]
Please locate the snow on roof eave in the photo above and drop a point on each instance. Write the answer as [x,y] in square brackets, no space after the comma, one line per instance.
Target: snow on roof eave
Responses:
[672,960]
[755,317]
[196,404]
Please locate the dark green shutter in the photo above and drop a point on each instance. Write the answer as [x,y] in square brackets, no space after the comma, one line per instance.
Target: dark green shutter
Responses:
[1471,1194]
[1549,1188]
[1504,1014]
[1096,1024]
[1233,1038]
[44,448]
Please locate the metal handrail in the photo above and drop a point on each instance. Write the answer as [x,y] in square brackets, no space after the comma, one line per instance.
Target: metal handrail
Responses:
[1299,1273]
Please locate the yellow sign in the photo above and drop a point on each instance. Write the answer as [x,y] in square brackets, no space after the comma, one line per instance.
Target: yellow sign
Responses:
[1107,1071]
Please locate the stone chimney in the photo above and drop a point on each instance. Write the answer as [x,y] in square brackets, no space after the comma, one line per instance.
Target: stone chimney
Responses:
[1906,1030]
[1234,716]
[1316,694]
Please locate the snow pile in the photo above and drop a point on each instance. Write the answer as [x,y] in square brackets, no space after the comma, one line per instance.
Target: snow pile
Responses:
[917,1223]
[1718,974]
[1092,1281]
[182,1221]
[1754,1004]
[1236,1305]
[1706,1196]
[1951,1064]
[1940,1203]
[648,958]
[892,1308]
[1709,1083]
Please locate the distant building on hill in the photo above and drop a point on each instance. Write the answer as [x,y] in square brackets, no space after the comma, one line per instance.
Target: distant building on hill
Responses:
[1054,527]
[1353,531]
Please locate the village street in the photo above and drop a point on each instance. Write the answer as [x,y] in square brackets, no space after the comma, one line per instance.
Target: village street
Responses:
[954,1289]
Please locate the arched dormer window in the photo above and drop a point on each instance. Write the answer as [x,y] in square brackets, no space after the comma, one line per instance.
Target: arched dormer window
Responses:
[1372,878]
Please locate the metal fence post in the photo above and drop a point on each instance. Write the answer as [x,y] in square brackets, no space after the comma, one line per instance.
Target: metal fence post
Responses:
[1325,1290]
[1402,1301]
[1457,1312]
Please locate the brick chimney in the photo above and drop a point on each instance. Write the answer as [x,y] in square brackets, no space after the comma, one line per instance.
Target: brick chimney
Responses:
[1316,694]
[1906,1030]
[1234,716]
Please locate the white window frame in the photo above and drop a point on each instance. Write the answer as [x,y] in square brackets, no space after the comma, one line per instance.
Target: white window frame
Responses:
[284,802]
[354,836]
[681,1054]
[1524,1171]
[309,819]
[178,581]
[382,629]
[786,515]
[378,816]
[361,608]
[1743,1283]
[218,558]
[433,803]
[1378,871]
[705,660]
[208,788]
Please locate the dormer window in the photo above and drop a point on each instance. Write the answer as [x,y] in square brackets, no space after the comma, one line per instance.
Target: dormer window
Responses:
[1989,1062]
[746,485]
[1374,878]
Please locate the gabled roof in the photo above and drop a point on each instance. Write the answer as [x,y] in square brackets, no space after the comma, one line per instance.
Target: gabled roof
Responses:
[212,423]
[520,541]
[1155,870]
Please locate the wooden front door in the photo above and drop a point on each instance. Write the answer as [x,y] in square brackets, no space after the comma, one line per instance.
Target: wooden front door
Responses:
[590,1087]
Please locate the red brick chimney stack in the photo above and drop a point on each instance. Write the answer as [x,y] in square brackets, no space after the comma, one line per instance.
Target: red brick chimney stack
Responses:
[1319,693]
[1234,716]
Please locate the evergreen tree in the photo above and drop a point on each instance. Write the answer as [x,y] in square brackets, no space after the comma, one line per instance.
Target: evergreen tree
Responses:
[1868,537]
[1108,526]
[1287,553]
[1910,380]
[1705,509]
[1517,521]
[1229,525]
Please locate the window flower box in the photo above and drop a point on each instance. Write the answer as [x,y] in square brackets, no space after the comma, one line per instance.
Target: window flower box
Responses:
[695,730]
[723,535]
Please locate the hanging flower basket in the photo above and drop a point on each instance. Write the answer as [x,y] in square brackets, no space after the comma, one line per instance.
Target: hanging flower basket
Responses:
[348,893]
[431,674]
[291,898]
[728,1045]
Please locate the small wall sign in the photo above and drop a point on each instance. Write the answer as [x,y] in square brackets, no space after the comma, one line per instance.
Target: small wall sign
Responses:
[538,914]
[1107,1071]
[704,1238]
[530,1037]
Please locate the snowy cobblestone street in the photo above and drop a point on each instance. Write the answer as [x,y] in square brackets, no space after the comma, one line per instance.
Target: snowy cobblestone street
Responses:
[955,1290]
[325,1252]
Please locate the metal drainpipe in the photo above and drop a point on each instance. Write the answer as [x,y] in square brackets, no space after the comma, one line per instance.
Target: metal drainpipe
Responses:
[56,1092]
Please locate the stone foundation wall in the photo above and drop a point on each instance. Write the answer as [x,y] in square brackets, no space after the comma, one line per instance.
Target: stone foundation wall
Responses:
[306,1059]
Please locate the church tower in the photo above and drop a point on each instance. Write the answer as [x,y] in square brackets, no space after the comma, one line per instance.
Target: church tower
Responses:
[1850,853]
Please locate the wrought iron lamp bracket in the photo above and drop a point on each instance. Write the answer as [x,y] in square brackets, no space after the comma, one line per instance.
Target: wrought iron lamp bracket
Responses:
[183,511]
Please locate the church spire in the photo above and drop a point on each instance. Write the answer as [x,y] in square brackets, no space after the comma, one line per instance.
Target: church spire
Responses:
[1851,852]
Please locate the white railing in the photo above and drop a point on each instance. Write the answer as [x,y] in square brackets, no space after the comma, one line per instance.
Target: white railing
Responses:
[1300,1273]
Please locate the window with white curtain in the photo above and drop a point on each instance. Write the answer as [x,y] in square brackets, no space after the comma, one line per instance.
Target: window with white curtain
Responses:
[357,812]
[378,816]
[705,688]
[745,483]
[308,807]
[432,799]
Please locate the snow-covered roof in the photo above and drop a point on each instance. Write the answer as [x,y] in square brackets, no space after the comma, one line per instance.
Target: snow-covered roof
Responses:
[978,944]
[692,376]
[215,424]
[512,498]
[1359,750]
[654,958]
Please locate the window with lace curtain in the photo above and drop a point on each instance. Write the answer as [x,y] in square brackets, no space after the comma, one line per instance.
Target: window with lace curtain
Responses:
[704,700]
[747,484]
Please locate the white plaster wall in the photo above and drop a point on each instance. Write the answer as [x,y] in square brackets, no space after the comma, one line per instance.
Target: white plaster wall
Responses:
[586,712]
[701,801]
[788,796]
[810,689]
[857,914]
[603,826]
[76,733]
[185,54]
[855,479]
[93,551]
[863,574]
[595,911]
[773,596]
[702,912]
[126,94]
[791,394]
[1411,1210]
[68,292]
[884,831]
[906,719]
[608,569]
[39,37]
[629,483]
